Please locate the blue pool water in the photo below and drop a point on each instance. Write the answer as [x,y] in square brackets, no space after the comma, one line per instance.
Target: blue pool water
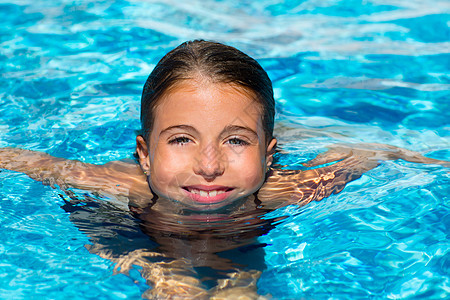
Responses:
[343,71]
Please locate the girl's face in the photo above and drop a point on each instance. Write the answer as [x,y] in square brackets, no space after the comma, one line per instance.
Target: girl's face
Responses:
[207,148]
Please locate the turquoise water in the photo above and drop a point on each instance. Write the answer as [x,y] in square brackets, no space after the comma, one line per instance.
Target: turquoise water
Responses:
[343,71]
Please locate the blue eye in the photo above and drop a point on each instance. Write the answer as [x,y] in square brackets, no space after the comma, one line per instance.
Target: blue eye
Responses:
[180,140]
[237,142]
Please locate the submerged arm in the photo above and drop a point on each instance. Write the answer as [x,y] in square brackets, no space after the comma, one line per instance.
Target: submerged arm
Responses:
[348,162]
[114,178]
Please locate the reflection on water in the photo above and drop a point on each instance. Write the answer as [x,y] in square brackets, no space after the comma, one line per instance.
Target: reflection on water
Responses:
[195,250]
[343,71]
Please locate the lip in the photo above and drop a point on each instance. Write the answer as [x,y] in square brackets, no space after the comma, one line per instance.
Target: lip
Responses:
[208,194]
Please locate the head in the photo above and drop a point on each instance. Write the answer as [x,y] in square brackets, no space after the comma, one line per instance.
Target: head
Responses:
[207,115]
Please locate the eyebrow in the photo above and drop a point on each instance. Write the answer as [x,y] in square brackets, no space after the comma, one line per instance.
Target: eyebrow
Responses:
[227,130]
[182,127]
[238,129]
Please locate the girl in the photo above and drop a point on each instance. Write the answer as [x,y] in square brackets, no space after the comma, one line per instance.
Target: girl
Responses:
[204,169]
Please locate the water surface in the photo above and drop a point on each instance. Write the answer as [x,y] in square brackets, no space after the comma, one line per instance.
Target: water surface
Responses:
[343,71]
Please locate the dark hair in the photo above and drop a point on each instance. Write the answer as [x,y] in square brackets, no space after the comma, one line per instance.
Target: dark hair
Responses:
[218,62]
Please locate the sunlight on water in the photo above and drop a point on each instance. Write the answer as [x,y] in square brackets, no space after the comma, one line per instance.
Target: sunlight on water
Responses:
[343,71]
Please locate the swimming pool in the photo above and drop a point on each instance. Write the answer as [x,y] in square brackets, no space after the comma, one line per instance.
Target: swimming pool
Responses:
[343,71]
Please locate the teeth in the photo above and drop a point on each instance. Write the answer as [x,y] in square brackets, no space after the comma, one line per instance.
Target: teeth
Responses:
[206,193]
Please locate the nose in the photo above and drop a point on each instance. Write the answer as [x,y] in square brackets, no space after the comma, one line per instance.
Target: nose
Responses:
[209,163]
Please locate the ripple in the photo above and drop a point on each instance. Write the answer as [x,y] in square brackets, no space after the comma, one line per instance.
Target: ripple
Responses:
[71,75]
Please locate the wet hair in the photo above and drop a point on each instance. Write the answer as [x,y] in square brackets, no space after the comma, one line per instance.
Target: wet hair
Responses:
[218,63]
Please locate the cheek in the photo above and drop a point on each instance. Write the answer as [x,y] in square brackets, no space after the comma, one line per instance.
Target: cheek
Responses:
[168,168]
[248,167]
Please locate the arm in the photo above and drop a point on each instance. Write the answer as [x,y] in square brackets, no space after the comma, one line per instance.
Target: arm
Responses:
[285,187]
[115,178]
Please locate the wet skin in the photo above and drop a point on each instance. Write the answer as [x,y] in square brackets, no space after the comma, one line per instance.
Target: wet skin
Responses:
[206,160]
[207,148]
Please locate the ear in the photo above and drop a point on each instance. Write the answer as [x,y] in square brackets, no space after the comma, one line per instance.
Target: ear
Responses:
[142,151]
[270,151]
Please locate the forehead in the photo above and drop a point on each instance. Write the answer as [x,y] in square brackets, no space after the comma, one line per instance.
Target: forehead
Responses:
[192,101]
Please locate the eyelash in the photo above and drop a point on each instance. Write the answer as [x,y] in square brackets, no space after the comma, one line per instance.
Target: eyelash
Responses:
[180,140]
[239,141]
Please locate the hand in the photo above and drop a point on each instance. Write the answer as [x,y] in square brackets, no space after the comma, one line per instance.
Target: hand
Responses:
[371,152]
[330,172]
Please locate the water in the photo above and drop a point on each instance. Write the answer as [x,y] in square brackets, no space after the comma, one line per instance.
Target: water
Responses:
[343,71]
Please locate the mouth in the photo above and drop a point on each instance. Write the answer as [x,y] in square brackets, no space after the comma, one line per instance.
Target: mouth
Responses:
[207,194]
